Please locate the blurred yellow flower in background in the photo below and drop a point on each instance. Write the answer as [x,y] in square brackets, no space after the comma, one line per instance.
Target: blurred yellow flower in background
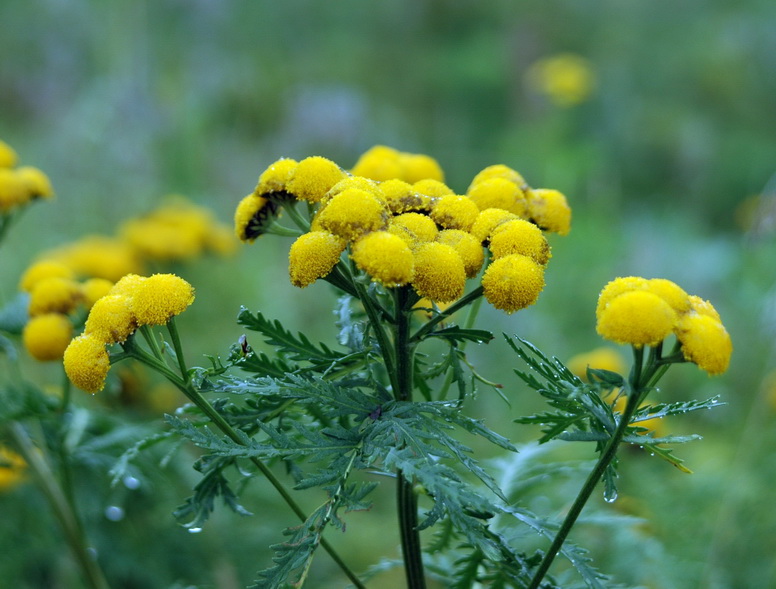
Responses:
[566,79]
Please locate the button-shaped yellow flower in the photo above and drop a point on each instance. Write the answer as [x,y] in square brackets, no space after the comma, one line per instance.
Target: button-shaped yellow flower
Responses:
[703,307]
[671,293]
[94,289]
[705,342]
[385,257]
[418,166]
[46,336]
[87,362]
[513,282]
[378,163]
[253,216]
[98,256]
[498,193]
[275,177]
[313,256]
[13,192]
[35,182]
[487,221]
[466,246]
[637,317]
[549,210]
[439,272]
[111,319]
[160,297]
[520,237]
[603,358]
[432,188]
[313,177]
[498,171]
[42,270]
[616,287]
[353,213]
[414,228]
[8,155]
[54,295]
[359,182]
[402,197]
[454,212]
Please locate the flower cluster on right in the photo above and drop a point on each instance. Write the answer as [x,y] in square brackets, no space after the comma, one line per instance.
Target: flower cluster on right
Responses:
[401,224]
[641,312]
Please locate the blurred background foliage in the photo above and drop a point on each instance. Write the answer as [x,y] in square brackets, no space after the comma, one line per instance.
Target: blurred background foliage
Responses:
[656,119]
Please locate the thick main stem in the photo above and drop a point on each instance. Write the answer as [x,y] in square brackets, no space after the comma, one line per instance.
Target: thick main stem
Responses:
[406,500]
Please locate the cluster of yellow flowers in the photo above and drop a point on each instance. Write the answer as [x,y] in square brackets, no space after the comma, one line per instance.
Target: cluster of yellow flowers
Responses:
[19,185]
[134,301]
[637,311]
[403,226]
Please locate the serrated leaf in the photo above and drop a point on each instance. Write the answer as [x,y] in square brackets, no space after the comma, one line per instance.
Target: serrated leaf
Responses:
[460,334]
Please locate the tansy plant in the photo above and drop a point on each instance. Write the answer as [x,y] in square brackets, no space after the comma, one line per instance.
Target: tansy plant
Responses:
[412,261]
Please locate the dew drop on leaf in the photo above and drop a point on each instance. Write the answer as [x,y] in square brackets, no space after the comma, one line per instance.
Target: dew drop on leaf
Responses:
[114,513]
[610,497]
[194,530]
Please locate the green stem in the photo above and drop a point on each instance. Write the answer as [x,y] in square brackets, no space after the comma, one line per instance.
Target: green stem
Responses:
[298,220]
[638,381]
[375,321]
[459,304]
[63,510]
[407,502]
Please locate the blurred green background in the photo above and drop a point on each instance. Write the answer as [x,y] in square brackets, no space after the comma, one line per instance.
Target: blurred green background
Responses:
[666,151]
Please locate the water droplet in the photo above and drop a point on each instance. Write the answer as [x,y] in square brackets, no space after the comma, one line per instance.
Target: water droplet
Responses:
[114,513]
[195,530]
[131,482]
[611,497]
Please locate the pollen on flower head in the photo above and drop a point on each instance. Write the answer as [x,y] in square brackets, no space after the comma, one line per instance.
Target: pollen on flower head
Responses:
[8,155]
[54,295]
[378,163]
[46,336]
[352,213]
[127,285]
[549,210]
[466,246]
[637,317]
[313,177]
[439,272]
[313,256]
[359,182]
[703,307]
[42,270]
[670,292]
[35,182]
[432,188]
[498,193]
[87,362]
[402,197]
[253,216]
[513,282]
[499,171]
[385,257]
[705,342]
[454,212]
[487,221]
[520,237]
[414,228]
[160,297]
[111,319]
[418,166]
[616,287]
[275,177]
[94,289]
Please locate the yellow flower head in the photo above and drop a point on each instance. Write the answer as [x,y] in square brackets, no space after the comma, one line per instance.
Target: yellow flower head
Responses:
[670,292]
[520,237]
[417,166]
[499,171]
[253,216]
[94,289]
[466,246]
[353,213]
[702,307]
[35,182]
[8,156]
[498,193]
[312,256]
[378,163]
[549,210]
[313,177]
[98,256]
[42,270]
[46,336]
[111,319]
[513,282]
[705,342]
[488,220]
[385,257]
[401,197]
[160,297]
[54,295]
[432,188]
[566,79]
[359,182]
[454,212]
[439,272]
[617,287]
[636,317]
[127,285]
[87,363]
[13,191]
[414,228]
[275,177]
[603,358]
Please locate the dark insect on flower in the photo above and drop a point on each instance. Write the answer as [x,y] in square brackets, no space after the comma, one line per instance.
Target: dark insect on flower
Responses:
[244,347]
[376,413]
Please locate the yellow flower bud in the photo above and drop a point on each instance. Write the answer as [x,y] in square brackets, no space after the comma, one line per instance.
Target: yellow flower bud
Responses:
[54,295]
[159,297]
[46,336]
[702,307]
[603,358]
[467,247]
[637,317]
[402,197]
[353,213]
[670,292]
[487,221]
[433,188]
[94,289]
[705,342]
[98,256]
[378,163]
[312,256]
[253,216]
[359,182]
[87,362]
[8,156]
[499,171]
[35,182]
[454,212]
[439,272]
[275,177]
[127,285]
[617,287]
[385,257]
[42,270]
[414,228]
[513,282]
[111,319]
[313,177]
[498,193]
[417,166]
[549,210]
[13,191]
[520,237]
